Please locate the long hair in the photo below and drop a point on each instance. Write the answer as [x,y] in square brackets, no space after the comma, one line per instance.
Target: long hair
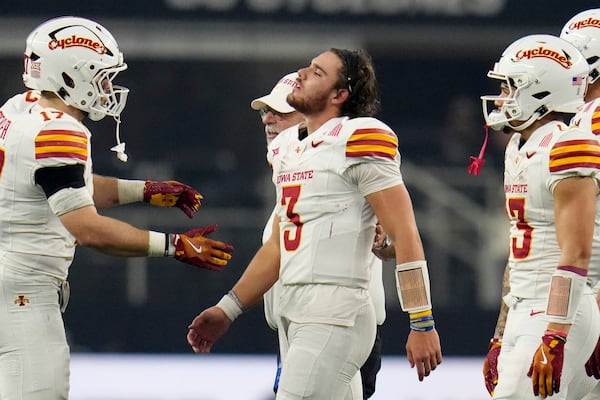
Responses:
[357,75]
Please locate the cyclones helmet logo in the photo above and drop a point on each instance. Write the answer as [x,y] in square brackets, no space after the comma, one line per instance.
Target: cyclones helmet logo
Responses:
[541,52]
[586,23]
[77,41]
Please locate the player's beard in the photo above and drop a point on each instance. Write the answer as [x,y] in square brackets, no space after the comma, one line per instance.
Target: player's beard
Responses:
[308,106]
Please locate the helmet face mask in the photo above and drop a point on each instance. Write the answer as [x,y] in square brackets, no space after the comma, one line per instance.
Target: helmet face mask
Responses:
[541,74]
[583,31]
[111,98]
[510,109]
[77,59]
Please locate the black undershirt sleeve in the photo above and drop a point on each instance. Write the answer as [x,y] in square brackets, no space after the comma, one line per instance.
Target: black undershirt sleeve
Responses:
[53,179]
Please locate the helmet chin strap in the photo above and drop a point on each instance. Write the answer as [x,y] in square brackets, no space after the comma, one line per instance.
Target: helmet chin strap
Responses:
[120,146]
[539,113]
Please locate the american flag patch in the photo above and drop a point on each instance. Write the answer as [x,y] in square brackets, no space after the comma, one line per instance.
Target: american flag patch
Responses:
[546,140]
[335,131]
[577,81]
[373,142]
[61,144]
[572,154]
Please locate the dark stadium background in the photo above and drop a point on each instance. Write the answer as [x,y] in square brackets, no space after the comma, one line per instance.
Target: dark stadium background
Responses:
[194,67]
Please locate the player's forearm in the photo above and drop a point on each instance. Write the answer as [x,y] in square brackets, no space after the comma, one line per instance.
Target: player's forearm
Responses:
[105,192]
[503,313]
[501,323]
[259,276]
[105,234]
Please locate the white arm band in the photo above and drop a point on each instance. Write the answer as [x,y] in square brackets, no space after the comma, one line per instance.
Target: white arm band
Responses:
[160,245]
[130,191]
[566,290]
[231,306]
[70,199]
[412,283]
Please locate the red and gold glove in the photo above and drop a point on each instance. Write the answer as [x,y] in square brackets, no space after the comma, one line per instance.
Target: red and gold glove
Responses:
[592,366]
[195,249]
[546,367]
[172,194]
[490,365]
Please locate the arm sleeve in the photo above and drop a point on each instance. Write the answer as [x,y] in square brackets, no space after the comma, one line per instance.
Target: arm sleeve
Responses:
[64,187]
[577,153]
[373,177]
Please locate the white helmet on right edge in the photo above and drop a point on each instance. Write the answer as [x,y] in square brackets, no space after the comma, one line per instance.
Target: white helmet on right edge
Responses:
[583,31]
[540,74]
[77,59]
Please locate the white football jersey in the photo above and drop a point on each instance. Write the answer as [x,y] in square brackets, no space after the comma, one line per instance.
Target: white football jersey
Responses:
[376,289]
[552,153]
[327,227]
[32,137]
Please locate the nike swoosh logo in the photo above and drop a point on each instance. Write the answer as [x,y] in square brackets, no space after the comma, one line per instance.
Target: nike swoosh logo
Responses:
[529,155]
[315,144]
[532,313]
[544,358]
[196,249]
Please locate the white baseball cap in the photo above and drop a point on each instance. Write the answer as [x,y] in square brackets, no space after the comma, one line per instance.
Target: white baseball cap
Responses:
[277,99]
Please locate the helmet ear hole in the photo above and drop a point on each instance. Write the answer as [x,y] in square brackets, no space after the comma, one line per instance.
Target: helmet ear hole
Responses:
[541,95]
[62,93]
[68,80]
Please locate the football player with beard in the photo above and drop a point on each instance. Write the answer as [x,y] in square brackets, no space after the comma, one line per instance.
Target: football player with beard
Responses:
[336,175]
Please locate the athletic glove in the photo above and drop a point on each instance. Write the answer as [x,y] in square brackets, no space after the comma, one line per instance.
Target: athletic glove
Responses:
[192,247]
[172,194]
[592,366]
[546,367]
[490,365]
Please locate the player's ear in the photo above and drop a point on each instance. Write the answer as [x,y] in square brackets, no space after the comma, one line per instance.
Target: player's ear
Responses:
[340,96]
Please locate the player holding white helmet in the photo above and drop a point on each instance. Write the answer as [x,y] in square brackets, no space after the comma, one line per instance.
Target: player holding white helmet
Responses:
[551,177]
[49,201]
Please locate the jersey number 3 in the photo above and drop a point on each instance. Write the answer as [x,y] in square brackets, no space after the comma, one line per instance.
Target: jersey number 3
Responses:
[290,195]
[515,208]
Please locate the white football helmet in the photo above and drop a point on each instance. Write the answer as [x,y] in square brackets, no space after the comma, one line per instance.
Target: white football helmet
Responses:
[77,59]
[583,31]
[542,74]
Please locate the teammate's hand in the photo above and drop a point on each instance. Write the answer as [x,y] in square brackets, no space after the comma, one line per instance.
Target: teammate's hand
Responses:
[379,241]
[546,367]
[592,366]
[206,328]
[172,194]
[381,244]
[490,365]
[194,248]
[423,351]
